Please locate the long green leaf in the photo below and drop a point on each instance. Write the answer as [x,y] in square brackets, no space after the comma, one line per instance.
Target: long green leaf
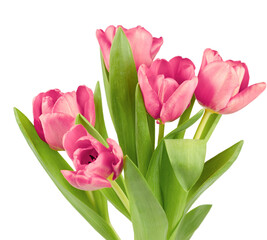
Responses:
[123,80]
[173,195]
[188,123]
[99,117]
[213,169]
[187,157]
[190,222]
[52,162]
[148,217]
[144,145]
[80,119]
[105,74]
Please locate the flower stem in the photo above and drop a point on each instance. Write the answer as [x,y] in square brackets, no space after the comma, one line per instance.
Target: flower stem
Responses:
[202,124]
[161,132]
[120,194]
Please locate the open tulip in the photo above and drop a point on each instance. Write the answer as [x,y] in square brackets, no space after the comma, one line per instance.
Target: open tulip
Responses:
[143,45]
[93,162]
[223,85]
[167,87]
[54,113]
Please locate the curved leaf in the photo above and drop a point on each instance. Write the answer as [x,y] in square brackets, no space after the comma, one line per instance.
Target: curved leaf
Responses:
[144,145]
[99,118]
[212,170]
[80,119]
[52,162]
[123,80]
[187,158]
[148,218]
[190,222]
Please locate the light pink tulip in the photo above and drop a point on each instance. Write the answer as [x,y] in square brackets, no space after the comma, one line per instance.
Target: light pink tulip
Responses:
[144,46]
[223,85]
[93,162]
[54,113]
[167,87]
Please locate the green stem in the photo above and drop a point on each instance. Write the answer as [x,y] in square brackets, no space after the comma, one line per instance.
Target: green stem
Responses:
[120,194]
[91,198]
[161,132]
[202,124]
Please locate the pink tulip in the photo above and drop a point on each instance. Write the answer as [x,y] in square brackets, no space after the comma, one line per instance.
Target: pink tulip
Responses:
[93,162]
[223,85]
[143,45]
[167,87]
[54,113]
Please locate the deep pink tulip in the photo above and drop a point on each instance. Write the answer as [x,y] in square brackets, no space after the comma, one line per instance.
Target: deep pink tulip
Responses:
[93,162]
[54,113]
[223,85]
[144,46]
[167,87]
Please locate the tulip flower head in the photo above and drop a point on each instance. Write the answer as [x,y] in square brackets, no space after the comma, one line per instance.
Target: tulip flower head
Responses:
[167,87]
[93,162]
[223,85]
[144,46]
[54,113]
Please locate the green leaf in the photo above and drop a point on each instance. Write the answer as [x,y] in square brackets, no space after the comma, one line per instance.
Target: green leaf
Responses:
[187,158]
[105,74]
[184,117]
[148,218]
[212,170]
[152,175]
[190,222]
[123,80]
[188,123]
[173,195]
[52,162]
[144,145]
[99,118]
[80,119]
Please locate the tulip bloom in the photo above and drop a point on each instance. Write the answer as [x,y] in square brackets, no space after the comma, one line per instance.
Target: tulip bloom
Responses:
[93,162]
[223,85]
[54,113]
[167,87]
[143,45]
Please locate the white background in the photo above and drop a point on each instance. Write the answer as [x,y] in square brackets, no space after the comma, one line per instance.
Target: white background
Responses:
[52,44]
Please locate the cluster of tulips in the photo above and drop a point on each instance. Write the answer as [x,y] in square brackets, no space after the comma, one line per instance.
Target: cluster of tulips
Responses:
[160,183]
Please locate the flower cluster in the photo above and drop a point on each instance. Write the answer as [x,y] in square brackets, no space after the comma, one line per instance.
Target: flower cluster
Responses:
[159,182]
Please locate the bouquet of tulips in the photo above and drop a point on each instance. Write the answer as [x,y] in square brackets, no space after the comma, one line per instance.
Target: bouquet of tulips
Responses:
[152,179]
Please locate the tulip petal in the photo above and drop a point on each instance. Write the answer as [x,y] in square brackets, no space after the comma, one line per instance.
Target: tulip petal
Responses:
[162,66]
[117,165]
[37,108]
[105,40]
[216,84]
[243,98]
[183,69]
[55,125]
[67,104]
[141,42]
[102,166]
[167,88]
[210,56]
[85,100]
[245,80]
[70,144]
[156,44]
[85,182]
[84,156]
[150,97]
[178,101]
